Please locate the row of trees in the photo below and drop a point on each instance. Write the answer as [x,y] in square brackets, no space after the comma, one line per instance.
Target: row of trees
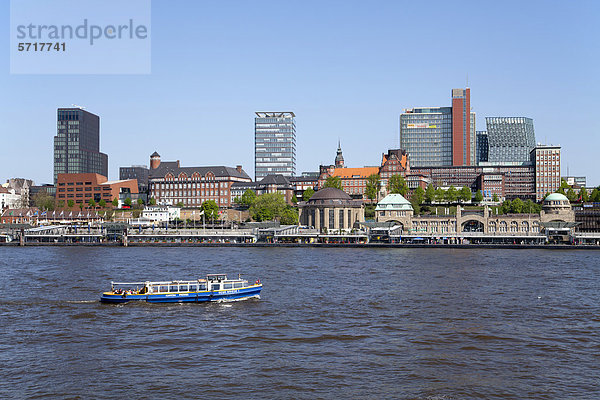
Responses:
[518,206]
[270,206]
[580,195]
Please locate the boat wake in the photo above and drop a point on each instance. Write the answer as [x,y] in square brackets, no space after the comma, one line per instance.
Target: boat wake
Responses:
[257,296]
[81,301]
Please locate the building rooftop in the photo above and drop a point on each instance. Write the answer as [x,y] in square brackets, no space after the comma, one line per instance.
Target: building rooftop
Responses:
[556,197]
[355,172]
[330,193]
[394,201]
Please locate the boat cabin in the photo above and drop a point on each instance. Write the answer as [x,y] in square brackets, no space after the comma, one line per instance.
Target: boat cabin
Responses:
[211,283]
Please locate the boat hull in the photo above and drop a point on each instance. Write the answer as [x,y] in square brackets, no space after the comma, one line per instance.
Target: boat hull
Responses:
[189,297]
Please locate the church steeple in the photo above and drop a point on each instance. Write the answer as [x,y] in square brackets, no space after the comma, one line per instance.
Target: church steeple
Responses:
[339,158]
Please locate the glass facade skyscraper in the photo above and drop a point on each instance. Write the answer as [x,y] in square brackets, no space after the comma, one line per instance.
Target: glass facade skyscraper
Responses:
[510,139]
[426,134]
[77,143]
[274,144]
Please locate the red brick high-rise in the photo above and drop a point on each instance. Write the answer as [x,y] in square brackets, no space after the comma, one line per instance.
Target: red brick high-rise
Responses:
[461,127]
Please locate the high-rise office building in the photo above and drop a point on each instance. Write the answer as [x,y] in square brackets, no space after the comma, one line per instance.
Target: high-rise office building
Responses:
[546,159]
[426,134]
[440,136]
[510,139]
[482,147]
[274,144]
[77,144]
[461,127]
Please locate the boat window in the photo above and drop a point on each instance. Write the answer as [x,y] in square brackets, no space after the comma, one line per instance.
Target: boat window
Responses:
[238,285]
[193,288]
[164,288]
[203,286]
[183,288]
[216,287]
[173,288]
[227,286]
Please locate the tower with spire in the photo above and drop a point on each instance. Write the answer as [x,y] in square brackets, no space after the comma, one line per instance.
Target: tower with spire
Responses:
[339,158]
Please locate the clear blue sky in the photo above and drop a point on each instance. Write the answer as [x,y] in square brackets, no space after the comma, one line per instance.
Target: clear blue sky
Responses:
[346,68]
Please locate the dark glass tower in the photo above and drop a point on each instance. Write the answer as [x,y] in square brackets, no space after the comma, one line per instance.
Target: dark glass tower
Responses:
[77,143]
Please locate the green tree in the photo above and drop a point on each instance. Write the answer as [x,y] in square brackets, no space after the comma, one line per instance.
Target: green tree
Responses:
[583,195]
[211,209]
[61,204]
[179,204]
[334,182]
[440,195]
[102,203]
[546,195]
[571,195]
[373,186]
[478,196]
[294,199]
[248,198]
[92,203]
[70,203]
[153,201]
[430,194]
[397,184]
[505,208]
[495,198]
[268,206]
[128,201]
[465,194]
[451,194]
[529,207]
[595,196]
[115,202]
[289,216]
[140,202]
[307,194]
[418,196]
[516,206]
[81,206]
[43,201]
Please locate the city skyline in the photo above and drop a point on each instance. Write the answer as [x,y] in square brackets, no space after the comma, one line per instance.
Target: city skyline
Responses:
[350,86]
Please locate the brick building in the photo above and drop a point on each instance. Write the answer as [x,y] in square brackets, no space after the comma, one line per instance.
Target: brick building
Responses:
[170,183]
[81,188]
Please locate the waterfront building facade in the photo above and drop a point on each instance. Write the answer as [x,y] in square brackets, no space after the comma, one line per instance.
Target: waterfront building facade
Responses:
[556,214]
[587,215]
[274,144]
[169,183]
[81,188]
[510,140]
[330,210]
[546,159]
[77,144]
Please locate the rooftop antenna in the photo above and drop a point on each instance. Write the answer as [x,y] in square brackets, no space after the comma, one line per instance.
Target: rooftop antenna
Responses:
[80,107]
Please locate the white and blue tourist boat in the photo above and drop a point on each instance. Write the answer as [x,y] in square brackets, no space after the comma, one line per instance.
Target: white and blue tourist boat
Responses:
[216,287]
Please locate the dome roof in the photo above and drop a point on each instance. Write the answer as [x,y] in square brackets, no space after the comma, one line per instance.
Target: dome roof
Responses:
[556,197]
[330,193]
